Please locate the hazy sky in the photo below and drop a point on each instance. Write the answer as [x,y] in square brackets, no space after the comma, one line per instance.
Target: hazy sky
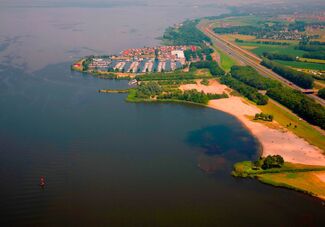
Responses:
[111,3]
[34,33]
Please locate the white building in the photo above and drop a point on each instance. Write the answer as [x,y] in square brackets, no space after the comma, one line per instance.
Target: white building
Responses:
[178,53]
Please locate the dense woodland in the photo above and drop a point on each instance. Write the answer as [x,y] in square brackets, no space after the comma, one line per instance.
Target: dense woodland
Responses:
[251,77]
[186,34]
[245,90]
[275,56]
[300,104]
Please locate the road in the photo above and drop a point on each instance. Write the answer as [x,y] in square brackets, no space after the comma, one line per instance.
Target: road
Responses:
[243,56]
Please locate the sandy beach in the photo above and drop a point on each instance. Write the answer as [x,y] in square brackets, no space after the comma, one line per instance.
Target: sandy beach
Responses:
[273,140]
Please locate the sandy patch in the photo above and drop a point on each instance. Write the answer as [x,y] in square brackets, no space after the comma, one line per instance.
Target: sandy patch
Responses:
[273,140]
[213,88]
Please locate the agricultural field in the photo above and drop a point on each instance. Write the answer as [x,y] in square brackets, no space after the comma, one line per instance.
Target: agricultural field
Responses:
[303,65]
[260,48]
[237,21]
[312,60]
[233,37]
[259,35]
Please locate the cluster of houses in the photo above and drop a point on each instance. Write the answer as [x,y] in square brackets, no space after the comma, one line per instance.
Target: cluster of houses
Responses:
[142,60]
[141,65]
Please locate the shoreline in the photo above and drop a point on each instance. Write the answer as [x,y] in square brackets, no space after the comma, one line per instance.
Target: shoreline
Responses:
[273,138]
[267,147]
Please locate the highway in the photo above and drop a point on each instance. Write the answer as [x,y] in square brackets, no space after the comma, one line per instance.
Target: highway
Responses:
[244,57]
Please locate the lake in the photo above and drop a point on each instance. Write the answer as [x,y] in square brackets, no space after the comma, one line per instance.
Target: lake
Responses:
[108,162]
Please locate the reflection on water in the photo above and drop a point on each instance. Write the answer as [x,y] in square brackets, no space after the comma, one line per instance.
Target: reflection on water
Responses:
[222,145]
[224,140]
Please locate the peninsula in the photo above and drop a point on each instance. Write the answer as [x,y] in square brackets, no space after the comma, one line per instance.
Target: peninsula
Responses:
[192,69]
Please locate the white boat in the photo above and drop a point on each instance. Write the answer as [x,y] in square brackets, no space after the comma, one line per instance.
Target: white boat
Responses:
[133,82]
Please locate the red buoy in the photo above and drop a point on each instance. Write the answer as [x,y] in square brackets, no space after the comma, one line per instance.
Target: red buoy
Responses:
[42,182]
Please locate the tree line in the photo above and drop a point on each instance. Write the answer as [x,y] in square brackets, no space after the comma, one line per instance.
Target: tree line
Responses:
[294,100]
[300,104]
[251,77]
[213,66]
[315,49]
[245,90]
[263,42]
[275,56]
[299,78]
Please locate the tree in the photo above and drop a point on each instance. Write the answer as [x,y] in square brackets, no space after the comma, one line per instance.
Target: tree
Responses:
[274,161]
[321,93]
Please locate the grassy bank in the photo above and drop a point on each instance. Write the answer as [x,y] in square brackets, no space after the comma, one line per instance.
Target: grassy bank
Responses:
[226,62]
[298,177]
[294,124]
[306,182]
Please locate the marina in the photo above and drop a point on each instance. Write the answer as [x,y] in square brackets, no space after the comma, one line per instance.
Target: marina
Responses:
[140,60]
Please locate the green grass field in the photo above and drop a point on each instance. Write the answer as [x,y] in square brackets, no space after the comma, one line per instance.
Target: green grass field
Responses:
[279,49]
[307,182]
[312,60]
[294,176]
[239,21]
[303,65]
[226,62]
[303,129]
[248,169]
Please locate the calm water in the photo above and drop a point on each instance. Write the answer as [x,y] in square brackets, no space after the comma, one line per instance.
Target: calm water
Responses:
[114,163]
